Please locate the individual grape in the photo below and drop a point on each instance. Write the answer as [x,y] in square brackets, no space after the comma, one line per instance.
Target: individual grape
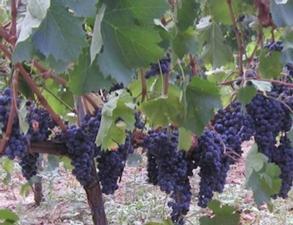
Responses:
[111,165]
[168,168]
[283,157]
[157,68]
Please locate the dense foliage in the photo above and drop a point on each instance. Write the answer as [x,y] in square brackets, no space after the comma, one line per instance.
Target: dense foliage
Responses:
[185,82]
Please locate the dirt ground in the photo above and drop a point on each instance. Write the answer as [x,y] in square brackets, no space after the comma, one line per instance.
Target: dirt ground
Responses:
[135,203]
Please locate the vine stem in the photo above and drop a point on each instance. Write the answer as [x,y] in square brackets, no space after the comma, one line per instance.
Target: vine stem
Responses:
[166,83]
[143,85]
[238,37]
[13,18]
[290,85]
[48,73]
[41,98]
[12,113]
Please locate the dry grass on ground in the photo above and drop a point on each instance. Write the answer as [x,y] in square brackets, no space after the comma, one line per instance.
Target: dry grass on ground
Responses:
[134,203]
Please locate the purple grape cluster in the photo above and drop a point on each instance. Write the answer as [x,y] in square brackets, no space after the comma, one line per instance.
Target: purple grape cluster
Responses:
[270,117]
[81,147]
[283,157]
[40,124]
[234,126]
[168,168]
[17,144]
[111,165]
[213,164]
[157,68]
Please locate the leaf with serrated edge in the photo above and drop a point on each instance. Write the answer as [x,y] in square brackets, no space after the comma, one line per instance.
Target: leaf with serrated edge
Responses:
[97,40]
[86,77]
[202,98]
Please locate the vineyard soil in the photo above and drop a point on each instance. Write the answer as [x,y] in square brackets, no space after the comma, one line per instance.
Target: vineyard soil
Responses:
[134,203]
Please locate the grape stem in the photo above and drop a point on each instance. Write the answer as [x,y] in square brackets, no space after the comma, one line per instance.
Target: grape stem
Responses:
[238,37]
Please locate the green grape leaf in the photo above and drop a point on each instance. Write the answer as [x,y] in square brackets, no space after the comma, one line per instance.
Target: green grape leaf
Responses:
[186,14]
[262,177]
[36,12]
[254,161]
[8,216]
[60,99]
[25,189]
[215,50]
[185,42]
[202,97]
[282,13]
[127,44]
[264,86]
[185,139]
[83,8]
[117,118]
[246,94]
[97,40]
[59,37]
[22,114]
[86,77]
[222,215]
[287,53]
[270,65]
[7,165]
[162,111]
[220,11]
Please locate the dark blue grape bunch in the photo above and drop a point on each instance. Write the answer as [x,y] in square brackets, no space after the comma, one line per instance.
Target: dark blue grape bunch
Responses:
[168,168]
[214,165]
[81,147]
[157,68]
[270,117]
[29,166]
[40,123]
[111,166]
[283,157]
[235,126]
[18,143]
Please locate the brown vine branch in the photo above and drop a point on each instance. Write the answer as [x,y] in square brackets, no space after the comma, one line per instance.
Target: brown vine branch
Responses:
[166,83]
[290,85]
[47,73]
[13,18]
[41,98]
[238,37]
[12,113]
